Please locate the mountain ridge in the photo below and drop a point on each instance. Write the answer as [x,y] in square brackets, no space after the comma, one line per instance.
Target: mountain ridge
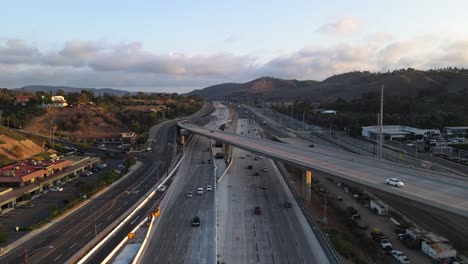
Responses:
[347,86]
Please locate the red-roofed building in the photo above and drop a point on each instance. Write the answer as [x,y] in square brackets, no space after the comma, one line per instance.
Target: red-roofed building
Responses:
[22,99]
[28,172]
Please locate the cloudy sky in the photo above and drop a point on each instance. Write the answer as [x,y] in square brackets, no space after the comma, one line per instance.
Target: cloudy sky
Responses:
[178,46]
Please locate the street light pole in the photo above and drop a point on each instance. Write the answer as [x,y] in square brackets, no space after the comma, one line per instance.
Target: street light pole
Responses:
[325,219]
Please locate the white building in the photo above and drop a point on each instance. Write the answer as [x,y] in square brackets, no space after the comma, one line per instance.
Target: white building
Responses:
[456,130]
[396,132]
[58,101]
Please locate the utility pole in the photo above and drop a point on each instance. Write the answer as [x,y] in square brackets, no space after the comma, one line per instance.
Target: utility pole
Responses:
[381,125]
[292,110]
[377,144]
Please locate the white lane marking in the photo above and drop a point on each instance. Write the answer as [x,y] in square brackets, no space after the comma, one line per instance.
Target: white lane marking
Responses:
[72,245]
[57,257]
[87,234]
[109,216]
[126,203]
[134,220]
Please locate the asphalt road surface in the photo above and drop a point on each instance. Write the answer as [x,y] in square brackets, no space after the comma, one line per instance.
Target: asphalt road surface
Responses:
[63,239]
[276,235]
[174,239]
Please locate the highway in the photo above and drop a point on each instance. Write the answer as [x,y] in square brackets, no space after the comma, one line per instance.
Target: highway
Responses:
[174,239]
[278,234]
[444,191]
[64,238]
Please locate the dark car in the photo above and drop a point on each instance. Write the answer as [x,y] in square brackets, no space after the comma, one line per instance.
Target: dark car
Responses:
[256,173]
[287,204]
[196,221]
[311,145]
[250,167]
[258,210]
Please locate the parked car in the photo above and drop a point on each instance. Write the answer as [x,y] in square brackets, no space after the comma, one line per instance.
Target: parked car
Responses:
[189,194]
[148,149]
[200,190]
[287,204]
[400,257]
[208,188]
[196,221]
[264,186]
[265,169]
[56,189]
[256,173]
[395,182]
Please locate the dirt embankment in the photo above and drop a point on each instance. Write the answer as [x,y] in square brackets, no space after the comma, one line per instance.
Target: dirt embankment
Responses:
[77,122]
[16,147]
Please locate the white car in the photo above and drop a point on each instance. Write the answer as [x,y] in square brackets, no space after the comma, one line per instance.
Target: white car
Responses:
[56,189]
[189,194]
[200,191]
[400,257]
[162,188]
[395,182]
[265,169]
[208,188]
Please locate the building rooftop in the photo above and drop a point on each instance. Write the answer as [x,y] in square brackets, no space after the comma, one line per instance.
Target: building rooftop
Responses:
[30,169]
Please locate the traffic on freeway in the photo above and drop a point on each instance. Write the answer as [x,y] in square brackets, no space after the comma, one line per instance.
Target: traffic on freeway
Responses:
[443,191]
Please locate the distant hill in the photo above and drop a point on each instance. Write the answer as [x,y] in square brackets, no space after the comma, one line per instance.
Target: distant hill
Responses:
[67,89]
[347,86]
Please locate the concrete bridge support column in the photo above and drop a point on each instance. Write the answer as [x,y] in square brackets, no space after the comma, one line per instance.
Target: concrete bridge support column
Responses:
[307,184]
[182,140]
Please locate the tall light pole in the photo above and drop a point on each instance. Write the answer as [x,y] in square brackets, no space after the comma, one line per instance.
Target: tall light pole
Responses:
[381,124]
[325,219]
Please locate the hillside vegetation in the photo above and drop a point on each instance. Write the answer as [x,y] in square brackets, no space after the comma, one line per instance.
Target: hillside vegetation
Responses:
[347,86]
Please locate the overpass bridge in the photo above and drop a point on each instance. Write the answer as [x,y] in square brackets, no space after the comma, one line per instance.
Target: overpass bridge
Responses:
[443,191]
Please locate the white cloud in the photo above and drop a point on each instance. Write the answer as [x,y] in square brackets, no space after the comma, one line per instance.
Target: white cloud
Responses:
[344,26]
[130,65]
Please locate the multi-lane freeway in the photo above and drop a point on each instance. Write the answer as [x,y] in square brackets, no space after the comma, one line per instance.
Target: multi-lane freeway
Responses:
[444,191]
[174,239]
[275,234]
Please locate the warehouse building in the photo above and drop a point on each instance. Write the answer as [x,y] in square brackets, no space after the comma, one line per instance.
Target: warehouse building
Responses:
[397,132]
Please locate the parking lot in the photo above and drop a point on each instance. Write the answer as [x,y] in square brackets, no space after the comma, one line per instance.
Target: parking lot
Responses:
[44,205]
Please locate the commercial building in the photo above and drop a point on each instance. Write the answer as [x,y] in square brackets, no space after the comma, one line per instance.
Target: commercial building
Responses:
[397,132]
[456,130]
[19,183]
[128,138]
[30,171]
